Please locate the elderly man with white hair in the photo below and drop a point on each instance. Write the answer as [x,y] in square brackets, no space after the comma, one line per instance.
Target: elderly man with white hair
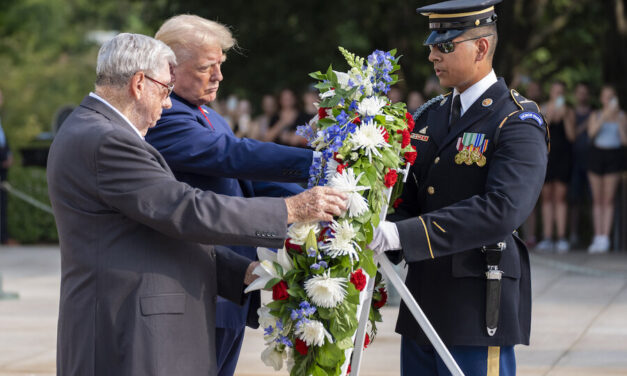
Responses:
[202,151]
[140,276]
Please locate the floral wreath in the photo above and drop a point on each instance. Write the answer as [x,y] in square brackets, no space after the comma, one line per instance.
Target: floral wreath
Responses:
[318,278]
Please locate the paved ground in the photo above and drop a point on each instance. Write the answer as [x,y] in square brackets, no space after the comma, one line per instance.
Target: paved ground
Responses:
[579,318]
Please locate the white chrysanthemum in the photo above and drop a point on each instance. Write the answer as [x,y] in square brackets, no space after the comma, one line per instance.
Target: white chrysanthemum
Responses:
[312,332]
[371,106]
[266,270]
[298,232]
[266,319]
[347,182]
[325,291]
[342,243]
[369,137]
[327,94]
[331,168]
[272,357]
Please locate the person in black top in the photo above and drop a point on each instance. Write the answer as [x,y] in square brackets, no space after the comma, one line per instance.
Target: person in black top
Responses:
[561,121]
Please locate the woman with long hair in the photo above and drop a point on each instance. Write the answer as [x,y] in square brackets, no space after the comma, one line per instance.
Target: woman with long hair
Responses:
[607,129]
[561,123]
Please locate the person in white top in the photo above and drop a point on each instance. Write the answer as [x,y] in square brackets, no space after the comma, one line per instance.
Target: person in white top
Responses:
[607,129]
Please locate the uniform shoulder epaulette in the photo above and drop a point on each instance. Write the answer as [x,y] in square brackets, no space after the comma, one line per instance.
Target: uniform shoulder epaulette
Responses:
[527,110]
[428,104]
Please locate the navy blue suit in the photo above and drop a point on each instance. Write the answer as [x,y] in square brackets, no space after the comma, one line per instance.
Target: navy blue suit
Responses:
[453,206]
[201,150]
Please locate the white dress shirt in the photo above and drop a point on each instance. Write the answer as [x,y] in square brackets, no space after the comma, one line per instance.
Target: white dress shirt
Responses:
[470,95]
[96,96]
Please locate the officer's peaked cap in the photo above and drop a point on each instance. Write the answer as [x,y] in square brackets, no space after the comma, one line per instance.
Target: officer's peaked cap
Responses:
[449,19]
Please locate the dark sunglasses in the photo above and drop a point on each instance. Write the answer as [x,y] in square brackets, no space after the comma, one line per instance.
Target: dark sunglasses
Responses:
[449,46]
[169,87]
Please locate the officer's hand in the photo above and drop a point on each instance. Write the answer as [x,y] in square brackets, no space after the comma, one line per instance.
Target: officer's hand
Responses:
[385,238]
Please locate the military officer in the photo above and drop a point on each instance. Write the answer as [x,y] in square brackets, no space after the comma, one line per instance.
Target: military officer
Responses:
[482,154]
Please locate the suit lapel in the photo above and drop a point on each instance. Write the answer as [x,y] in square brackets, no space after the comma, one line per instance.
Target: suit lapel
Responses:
[476,112]
[438,121]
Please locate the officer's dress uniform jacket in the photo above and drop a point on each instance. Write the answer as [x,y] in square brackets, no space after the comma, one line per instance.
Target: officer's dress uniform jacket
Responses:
[450,210]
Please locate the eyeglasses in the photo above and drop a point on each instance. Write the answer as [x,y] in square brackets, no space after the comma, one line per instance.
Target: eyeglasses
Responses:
[449,46]
[169,87]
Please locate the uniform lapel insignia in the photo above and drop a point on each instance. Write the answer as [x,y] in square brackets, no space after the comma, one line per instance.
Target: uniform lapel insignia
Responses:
[487,102]
[471,148]
[424,130]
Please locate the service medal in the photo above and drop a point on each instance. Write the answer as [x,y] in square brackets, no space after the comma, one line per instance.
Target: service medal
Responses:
[482,161]
[475,155]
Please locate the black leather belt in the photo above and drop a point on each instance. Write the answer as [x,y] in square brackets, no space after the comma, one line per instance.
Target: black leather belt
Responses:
[493,285]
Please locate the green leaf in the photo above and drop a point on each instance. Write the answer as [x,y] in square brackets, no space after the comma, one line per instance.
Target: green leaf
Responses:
[317,371]
[345,343]
[271,283]
[367,263]
[275,305]
[324,313]
[352,294]
[330,355]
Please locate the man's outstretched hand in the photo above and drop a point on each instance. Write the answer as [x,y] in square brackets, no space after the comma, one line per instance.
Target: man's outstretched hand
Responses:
[316,204]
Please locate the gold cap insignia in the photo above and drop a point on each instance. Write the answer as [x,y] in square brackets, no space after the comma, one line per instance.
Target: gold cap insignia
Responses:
[423,130]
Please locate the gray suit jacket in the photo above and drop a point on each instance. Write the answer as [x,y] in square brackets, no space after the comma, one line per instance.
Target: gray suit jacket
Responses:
[138,291]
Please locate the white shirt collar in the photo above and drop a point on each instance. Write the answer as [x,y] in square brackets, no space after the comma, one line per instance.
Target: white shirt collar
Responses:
[96,96]
[470,95]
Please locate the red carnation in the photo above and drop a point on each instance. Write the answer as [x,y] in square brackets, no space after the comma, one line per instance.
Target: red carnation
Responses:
[357,120]
[292,246]
[322,112]
[358,279]
[386,136]
[397,202]
[279,291]
[384,298]
[366,341]
[348,371]
[340,167]
[410,157]
[410,121]
[406,137]
[301,346]
[337,157]
[390,178]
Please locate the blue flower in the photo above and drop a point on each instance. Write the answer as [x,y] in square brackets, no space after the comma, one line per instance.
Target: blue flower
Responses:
[342,118]
[315,266]
[311,252]
[353,106]
[268,331]
[279,325]
[323,264]
[284,340]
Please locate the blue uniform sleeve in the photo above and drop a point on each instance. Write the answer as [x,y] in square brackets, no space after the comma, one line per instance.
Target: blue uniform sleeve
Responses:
[190,147]
[270,189]
[514,181]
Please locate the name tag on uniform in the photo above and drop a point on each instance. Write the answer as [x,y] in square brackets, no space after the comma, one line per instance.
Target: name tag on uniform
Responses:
[420,137]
